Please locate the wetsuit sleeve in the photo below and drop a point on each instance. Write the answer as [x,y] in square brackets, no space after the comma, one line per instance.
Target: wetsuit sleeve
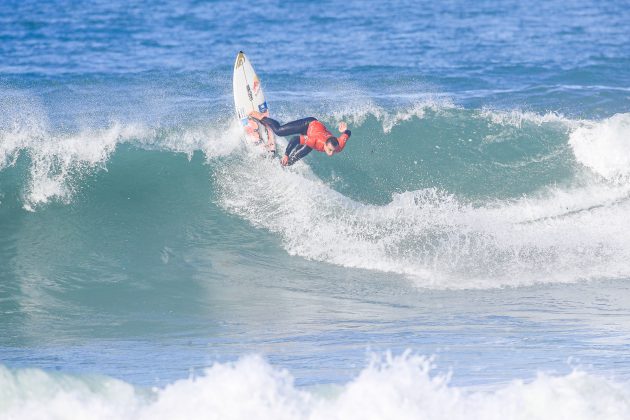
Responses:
[292,145]
[342,139]
[298,154]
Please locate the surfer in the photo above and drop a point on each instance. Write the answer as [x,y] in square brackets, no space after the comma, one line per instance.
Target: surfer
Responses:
[312,135]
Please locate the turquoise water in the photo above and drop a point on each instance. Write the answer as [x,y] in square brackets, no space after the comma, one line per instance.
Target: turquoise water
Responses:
[466,256]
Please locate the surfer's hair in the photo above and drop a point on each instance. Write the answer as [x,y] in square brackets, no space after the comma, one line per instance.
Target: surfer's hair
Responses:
[333,141]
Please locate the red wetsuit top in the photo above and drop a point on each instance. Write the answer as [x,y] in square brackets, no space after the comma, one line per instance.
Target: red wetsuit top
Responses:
[317,134]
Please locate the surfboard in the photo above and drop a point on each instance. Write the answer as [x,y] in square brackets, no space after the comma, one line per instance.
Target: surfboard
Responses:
[248,97]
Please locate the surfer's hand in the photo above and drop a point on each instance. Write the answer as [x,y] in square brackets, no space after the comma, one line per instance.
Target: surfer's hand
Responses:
[258,115]
[284,160]
[343,126]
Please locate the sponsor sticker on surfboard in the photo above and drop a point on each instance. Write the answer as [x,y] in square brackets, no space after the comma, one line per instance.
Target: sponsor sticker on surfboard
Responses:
[248,97]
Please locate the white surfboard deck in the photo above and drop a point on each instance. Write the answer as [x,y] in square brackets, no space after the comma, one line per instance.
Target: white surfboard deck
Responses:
[248,97]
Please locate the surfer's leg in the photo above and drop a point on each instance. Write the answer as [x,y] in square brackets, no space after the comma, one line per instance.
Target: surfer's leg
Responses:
[298,153]
[288,129]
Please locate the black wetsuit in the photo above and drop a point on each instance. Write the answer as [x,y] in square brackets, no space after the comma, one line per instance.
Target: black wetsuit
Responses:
[295,150]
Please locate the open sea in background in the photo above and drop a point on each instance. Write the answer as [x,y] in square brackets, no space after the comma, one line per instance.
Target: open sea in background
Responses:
[467,256]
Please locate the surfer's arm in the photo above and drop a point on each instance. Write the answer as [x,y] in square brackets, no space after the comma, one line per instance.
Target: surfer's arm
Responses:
[298,154]
[259,115]
[292,145]
[294,151]
[342,139]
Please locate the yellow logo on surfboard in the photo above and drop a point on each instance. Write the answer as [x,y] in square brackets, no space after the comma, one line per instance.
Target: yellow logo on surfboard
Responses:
[240,59]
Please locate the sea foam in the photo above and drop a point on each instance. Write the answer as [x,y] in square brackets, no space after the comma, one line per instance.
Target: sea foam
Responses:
[400,387]
[604,147]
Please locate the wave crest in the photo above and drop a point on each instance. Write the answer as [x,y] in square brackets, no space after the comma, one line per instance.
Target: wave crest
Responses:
[604,147]
[59,160]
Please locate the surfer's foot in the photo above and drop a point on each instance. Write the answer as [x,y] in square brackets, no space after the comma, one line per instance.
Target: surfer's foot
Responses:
[258,115]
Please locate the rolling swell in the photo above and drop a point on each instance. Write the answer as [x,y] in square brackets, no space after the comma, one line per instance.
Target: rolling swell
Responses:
[451,197]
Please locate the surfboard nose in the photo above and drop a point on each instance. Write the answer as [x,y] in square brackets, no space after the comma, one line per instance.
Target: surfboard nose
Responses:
[240,59]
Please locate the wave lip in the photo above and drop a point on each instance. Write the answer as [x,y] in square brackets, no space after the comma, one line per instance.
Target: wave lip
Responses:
[604,147]
[401,387]
[58,160]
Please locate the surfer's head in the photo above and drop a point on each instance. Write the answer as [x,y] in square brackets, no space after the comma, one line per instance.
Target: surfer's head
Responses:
[331,145]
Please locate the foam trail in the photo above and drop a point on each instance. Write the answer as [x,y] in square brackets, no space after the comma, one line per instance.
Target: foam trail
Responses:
[401,387]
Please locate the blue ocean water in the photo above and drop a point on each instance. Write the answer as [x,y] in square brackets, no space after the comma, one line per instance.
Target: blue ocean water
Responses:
[466,256]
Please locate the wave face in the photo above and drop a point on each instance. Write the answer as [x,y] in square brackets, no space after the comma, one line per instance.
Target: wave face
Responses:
[450,197]
[402,387]
[534,203]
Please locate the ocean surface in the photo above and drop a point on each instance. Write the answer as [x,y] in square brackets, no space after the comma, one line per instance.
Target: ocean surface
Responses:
[467,256]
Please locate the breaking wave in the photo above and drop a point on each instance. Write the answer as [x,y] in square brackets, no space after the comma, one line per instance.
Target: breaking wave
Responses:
[401,387]
[449,197]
